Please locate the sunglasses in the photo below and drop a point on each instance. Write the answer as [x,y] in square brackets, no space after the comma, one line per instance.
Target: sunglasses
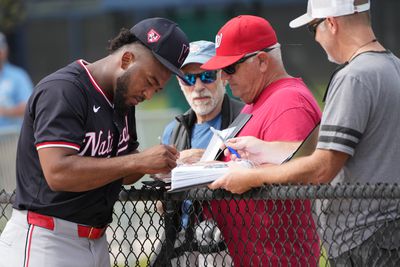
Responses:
[231,69]
[205,77]
[312,27]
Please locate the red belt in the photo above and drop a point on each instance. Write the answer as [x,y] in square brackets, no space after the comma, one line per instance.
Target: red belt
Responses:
[47,222]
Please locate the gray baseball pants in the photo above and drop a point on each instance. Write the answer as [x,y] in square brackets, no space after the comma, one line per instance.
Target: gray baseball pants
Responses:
[27,245]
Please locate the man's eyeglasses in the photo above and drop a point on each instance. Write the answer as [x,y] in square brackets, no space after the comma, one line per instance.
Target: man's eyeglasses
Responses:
[231,69]
[205,77]
[312,27]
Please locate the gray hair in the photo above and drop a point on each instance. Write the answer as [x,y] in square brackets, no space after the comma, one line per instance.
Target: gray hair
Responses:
[276,53]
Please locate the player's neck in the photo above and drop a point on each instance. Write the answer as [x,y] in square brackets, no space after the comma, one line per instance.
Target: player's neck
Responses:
[100,72]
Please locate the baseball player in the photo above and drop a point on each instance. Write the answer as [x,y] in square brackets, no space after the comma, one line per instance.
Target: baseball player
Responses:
[78,146]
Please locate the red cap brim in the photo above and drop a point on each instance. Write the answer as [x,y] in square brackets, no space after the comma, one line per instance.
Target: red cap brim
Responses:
[219,62]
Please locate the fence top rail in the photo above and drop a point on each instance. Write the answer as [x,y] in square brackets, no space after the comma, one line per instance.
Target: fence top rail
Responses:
[276,192]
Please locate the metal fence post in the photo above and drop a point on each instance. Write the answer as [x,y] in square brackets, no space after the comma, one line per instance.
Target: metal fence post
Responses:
[172,220]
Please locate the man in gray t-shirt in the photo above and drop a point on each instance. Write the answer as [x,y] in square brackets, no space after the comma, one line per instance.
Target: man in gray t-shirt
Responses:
[360,119]
[359,139]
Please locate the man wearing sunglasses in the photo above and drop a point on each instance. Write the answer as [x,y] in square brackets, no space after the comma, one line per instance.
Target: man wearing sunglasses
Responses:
[190,132]
[209,105]
[358,139]
[283,109]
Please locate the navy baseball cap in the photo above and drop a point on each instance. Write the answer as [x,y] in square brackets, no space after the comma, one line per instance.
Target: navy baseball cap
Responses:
[168,43]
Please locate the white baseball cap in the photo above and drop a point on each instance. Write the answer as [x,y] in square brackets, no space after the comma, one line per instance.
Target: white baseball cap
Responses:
[317,9]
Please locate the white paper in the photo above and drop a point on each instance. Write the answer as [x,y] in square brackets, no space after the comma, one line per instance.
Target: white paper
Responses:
[215,144]
[200,174]
[192,175]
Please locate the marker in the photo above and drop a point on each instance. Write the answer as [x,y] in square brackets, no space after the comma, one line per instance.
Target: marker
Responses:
[231,150]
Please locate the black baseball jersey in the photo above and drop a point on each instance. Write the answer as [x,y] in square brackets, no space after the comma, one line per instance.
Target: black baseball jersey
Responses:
[68,109]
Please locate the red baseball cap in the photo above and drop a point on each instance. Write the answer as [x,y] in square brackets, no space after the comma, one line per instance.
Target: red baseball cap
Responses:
[240,36]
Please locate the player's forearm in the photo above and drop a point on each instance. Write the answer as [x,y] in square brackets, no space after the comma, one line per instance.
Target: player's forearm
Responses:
[64,170]
[132,178]
[75,173]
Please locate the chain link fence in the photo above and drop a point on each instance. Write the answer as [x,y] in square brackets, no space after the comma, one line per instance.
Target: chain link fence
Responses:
[270,226]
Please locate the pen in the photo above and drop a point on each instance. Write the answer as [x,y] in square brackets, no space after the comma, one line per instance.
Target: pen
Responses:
[231,150]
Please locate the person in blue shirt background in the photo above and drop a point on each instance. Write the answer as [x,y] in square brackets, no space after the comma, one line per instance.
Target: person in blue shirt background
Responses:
[15,89]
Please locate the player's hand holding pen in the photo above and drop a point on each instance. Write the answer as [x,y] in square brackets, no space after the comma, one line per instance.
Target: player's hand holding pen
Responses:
[157,159]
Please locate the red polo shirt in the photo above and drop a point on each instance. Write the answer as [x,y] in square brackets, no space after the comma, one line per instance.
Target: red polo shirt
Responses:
[273,232]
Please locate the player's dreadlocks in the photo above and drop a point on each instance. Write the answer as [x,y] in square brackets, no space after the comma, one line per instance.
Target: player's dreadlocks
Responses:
[124,37]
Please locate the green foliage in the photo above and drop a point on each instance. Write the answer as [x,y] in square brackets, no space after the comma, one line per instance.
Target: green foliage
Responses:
[11,14]
[323,259]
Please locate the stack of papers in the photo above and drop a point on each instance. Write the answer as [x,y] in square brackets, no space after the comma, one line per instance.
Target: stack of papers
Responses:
[205,171]
[191,176]
[187,176]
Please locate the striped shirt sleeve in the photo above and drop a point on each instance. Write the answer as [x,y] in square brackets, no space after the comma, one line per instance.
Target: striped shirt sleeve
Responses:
[345,115]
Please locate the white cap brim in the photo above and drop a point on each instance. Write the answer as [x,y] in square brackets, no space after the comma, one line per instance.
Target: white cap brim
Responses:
[201,59]
[301,21]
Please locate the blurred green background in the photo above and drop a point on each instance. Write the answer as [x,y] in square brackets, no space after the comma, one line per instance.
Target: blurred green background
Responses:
[45,35]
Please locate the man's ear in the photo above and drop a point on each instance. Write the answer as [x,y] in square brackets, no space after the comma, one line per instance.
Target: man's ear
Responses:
[332,24]
[263,58]
[126,59]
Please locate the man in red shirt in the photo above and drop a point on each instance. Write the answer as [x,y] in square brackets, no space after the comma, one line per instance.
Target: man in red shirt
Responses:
[265,232]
